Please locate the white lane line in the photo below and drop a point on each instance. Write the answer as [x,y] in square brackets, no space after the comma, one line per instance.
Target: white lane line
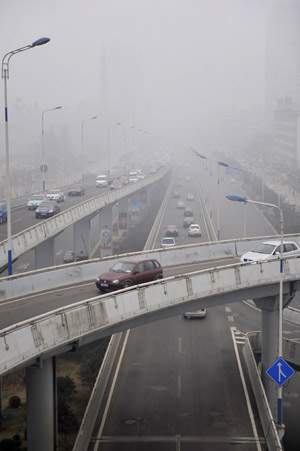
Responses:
[99,435]
[230,319]
[179,387]
[179,345]
[250,411]
[228,309]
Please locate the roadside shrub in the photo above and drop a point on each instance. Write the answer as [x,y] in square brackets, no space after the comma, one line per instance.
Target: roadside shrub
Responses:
[14,402]
[11,444]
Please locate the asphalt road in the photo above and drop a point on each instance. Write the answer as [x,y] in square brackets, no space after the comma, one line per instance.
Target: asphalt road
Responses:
[180,385]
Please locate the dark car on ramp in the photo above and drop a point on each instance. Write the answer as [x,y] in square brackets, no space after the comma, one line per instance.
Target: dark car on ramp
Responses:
[47,209]
[128,272]
[76,190]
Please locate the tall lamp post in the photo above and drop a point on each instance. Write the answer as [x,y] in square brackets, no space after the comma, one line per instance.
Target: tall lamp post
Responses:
[5,76]
[44,169]
[115,124]
[245,200]
[82,142]
[219,163]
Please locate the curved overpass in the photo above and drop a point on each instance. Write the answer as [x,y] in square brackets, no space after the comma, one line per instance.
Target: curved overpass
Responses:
[90,319]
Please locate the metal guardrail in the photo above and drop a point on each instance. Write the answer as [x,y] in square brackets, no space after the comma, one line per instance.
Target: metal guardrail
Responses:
[266,418]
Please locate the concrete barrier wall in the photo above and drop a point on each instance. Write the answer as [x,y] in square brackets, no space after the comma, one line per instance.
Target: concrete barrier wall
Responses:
[64,275]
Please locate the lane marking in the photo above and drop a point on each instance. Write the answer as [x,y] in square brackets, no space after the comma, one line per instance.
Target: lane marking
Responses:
[178,386]
[103,420]
[250,411]
[179,345]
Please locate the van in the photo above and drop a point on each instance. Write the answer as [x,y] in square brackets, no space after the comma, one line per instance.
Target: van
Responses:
[102,181]
[3,212]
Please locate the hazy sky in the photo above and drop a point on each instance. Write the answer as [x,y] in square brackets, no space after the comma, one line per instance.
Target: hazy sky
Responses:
[192,56]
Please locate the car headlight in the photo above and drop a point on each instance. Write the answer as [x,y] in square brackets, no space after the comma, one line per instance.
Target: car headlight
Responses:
[50,211]
[115,281]
[98,280]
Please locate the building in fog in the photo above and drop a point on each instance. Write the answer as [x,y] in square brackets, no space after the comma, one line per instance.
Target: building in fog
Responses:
[282,55]
[287,133]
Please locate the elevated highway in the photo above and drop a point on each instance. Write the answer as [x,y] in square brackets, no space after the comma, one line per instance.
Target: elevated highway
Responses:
[86,318]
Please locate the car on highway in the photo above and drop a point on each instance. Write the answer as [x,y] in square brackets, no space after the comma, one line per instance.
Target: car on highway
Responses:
[167,242]
[55,194]
[128,272]
[68,257]
[188,212]
[116,184]
[194,230]
[171,230]
[176,194]
[47,209]
[3,212]
[187,221]
[76,190]
[190,196]
[180,204]
[35,200]
[201,313]
[270,249]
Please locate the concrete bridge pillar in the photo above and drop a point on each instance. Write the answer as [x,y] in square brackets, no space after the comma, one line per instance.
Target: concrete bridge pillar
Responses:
[105,225]
[82,239]
[123,216]
[44,254]
[41,406]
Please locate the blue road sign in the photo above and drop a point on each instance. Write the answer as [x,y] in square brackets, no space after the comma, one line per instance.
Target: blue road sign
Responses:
[280,371]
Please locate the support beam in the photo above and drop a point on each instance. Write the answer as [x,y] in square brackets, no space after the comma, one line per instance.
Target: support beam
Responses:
[105,226]
[41,406]
[44,254]
[82,239]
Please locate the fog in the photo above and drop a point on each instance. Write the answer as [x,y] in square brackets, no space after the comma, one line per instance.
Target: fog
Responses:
[177,69]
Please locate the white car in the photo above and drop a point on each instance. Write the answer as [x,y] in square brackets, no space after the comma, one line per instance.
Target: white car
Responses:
[194,230]
[55,194]
[270,249]
[35,200]
[180,204]
[201,313]
[167,242]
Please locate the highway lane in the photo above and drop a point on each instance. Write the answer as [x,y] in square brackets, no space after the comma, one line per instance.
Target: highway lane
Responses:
[179,380]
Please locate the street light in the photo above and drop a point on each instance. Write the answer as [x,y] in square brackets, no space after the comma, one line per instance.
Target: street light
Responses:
[220,163]
[82,146]
[5,76]
[108,140]
[245,200]
[44,168]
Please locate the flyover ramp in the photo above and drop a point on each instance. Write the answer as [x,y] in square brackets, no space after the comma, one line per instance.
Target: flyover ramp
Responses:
[85,321]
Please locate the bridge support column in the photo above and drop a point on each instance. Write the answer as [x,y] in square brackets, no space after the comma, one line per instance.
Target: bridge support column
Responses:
[41,406]
[44,254]
[123,216]
[105,223]
[82,239]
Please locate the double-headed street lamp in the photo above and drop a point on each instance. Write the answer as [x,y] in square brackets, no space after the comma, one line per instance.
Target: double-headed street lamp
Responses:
[219,163]
[82,142]
[280,308]
[43,167]
[5,76]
